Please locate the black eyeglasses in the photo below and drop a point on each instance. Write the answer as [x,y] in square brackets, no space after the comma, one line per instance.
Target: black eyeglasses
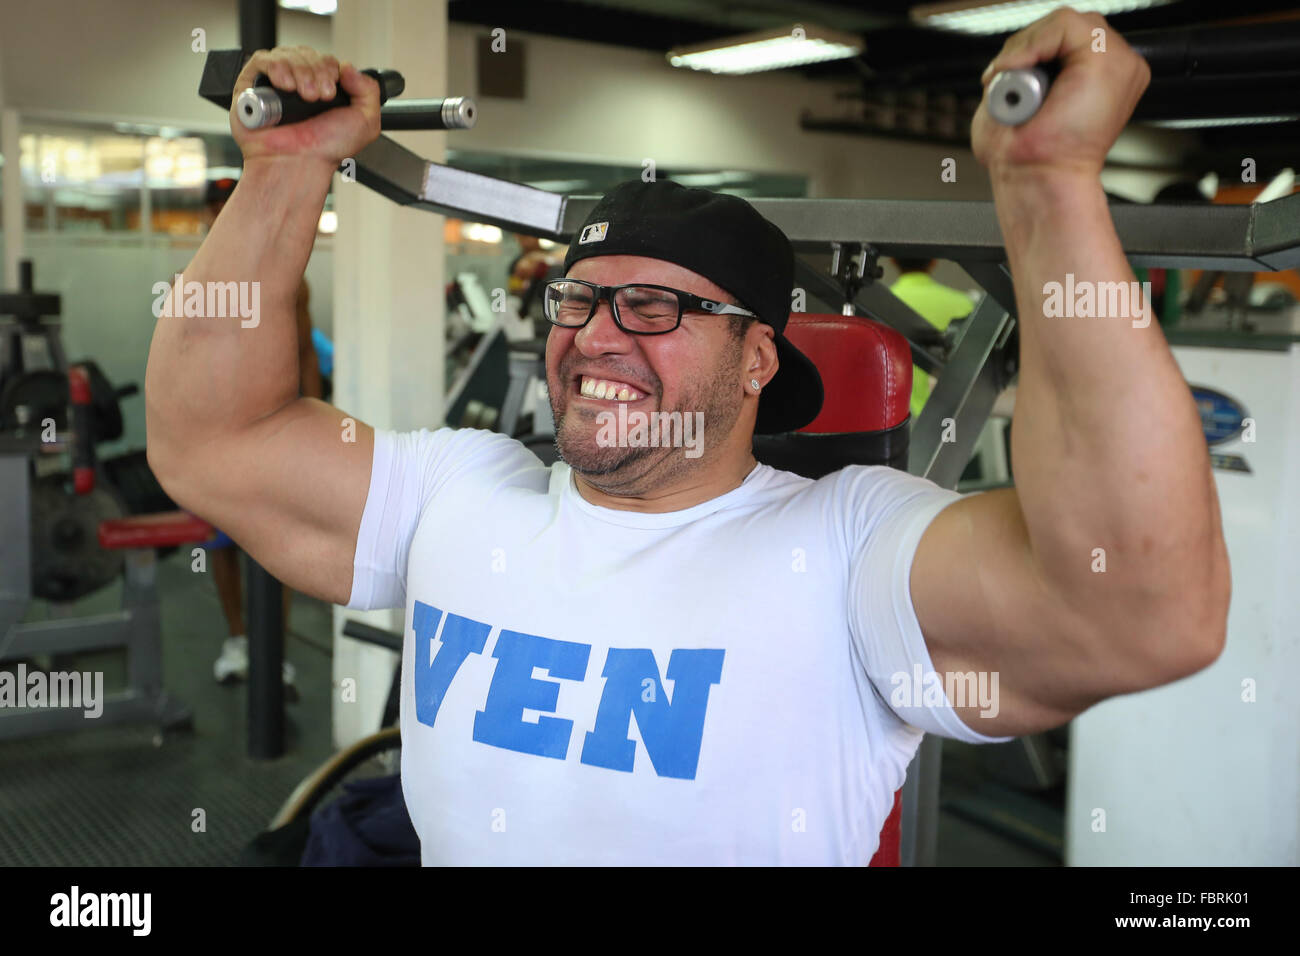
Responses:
[638,309]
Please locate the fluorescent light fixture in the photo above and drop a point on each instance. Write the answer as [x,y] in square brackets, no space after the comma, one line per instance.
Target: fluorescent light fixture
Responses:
[767,50]
[329,222]
[322,7]
[1207,122]
[1004,16]
[558,185]
[711,179]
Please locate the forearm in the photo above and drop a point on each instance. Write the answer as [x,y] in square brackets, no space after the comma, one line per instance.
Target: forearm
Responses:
[212,375]
[1108,448]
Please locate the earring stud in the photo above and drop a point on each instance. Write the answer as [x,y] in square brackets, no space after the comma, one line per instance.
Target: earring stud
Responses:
[753,382]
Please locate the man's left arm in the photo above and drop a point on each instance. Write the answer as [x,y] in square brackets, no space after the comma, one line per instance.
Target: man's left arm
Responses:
[1110,461]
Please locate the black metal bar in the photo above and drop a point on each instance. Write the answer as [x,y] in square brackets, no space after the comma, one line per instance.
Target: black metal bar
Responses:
[919,821]
[265,595]
[257,24]
[265,604]
[944,436]
[1166,234]
[995,279]
[379,636]
[1273,236]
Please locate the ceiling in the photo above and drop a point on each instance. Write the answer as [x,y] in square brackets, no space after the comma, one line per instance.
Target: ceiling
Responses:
[918,83]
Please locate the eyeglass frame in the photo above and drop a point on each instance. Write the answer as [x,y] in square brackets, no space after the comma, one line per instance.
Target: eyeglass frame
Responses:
[686,302]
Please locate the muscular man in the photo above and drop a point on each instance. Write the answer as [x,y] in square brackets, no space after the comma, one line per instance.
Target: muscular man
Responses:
[668,655]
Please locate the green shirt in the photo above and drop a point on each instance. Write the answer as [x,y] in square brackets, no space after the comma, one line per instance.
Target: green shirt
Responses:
[939,305]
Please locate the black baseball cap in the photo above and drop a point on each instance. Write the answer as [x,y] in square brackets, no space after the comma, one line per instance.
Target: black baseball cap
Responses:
[726,240]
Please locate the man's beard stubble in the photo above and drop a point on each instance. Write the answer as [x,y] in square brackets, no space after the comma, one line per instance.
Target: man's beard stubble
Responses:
[627,469]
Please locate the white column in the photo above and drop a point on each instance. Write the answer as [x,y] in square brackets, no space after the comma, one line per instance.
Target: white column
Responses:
[388,300]
[12,223]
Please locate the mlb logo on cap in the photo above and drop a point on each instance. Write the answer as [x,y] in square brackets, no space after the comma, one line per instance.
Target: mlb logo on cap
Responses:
[594,233]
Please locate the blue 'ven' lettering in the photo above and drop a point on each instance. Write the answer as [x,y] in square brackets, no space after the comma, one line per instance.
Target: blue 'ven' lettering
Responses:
[514,689]
[672,732]
[433,673]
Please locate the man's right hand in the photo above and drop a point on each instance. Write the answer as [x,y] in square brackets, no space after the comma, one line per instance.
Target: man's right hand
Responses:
[333,135]
[229,438]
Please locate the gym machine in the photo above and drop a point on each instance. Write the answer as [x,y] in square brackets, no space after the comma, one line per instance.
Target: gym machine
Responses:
[62,543]
[972,367]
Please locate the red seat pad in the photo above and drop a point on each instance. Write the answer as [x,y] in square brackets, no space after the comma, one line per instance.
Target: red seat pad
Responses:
[865,365]
[891,835]
[153,531]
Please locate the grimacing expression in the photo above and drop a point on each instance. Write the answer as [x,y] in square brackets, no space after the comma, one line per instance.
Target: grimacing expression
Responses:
[693,369]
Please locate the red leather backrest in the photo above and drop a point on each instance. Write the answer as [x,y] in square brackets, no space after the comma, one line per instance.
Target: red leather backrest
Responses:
[866,369]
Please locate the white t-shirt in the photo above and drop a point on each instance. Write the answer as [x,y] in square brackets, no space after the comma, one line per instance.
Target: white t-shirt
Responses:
[583,685]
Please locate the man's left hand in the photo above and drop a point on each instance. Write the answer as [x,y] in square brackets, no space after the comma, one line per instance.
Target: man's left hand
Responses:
[1100,82]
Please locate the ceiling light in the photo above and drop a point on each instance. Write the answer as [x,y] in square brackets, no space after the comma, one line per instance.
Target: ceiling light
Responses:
[767,50]
[1209,121]
[1004,16]
[322,7]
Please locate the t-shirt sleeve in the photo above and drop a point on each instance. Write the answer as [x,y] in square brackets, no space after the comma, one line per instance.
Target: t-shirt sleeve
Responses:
[889,511]
[408,471]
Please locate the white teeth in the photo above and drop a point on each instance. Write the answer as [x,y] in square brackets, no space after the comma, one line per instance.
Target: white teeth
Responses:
[611,391]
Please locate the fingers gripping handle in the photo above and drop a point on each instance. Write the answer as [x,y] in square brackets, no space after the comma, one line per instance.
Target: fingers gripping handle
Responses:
[262,105]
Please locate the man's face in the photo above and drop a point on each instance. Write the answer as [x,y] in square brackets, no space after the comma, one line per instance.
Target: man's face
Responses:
[697,368]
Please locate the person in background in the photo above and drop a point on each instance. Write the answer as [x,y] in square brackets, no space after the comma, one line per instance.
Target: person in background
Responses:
[529,269]
[934,302]
[324,361]
[232,664]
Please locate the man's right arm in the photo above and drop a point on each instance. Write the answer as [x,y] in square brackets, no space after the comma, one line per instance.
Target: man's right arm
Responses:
[228,436]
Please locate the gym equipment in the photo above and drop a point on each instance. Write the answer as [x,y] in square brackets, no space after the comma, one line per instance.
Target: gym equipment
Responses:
[975,368]
[1016,95]
[67,561]
[134,482]
[60,545]
[32,397]
[70,562]
[262,105]
[34,315]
